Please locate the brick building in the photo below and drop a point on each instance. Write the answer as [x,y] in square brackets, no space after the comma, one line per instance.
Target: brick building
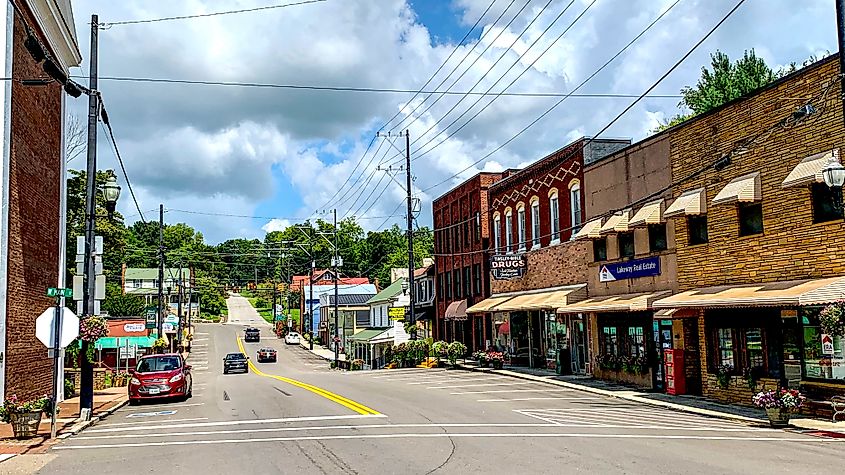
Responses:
[32,180]
[760,240]
[461,247]
[533,214]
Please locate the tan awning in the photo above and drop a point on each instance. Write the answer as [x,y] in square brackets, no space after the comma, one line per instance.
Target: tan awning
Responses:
[773,294]
[614,303]
[744,189]
[547,299]
[589,230]
[809,170]
[489,304]
[650,213]
[690,202]
[618,223]
[457,310]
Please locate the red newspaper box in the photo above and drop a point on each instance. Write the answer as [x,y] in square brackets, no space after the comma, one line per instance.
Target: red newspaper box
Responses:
[676,381]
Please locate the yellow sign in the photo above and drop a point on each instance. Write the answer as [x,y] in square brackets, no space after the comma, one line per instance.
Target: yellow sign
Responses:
[396,312]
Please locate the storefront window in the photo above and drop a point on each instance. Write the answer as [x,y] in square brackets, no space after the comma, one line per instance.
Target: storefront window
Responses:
[726,347]
[754,348]
[824,355]
[610,343]
[636,341]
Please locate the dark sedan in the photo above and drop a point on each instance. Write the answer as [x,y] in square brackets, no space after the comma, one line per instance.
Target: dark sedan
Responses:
[235,362]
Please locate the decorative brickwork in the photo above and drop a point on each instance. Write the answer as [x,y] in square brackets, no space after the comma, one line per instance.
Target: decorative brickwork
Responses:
[555,266]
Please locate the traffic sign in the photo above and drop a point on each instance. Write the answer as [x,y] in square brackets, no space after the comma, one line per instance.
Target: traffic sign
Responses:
[45,323]
[54,292]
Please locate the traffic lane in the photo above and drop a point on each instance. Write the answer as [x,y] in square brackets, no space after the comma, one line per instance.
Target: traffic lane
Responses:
[241,312]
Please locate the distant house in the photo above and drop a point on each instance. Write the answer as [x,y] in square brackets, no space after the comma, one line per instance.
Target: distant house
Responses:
[323,277]
[353,315]
[383,331]
[143,281]
[306,304]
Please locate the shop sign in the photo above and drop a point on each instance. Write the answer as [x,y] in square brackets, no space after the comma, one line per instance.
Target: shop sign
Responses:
[508,266]
[168,327]
[630,269]
[171,319]
[396,312]
[827,345]
[133,327]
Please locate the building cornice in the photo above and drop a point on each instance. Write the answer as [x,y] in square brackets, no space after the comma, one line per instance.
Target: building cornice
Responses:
[55,19]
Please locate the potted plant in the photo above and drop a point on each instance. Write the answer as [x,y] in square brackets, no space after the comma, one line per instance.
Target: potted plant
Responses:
[832,319]
[456,350]
[723,375]
[779,404]
[440,350]
[25,416]
[357,364]
[481,357]
[497,359]
[159,345]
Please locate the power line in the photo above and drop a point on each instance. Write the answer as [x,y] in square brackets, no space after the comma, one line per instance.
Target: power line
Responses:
[205,15]
[228,215]
[105,120]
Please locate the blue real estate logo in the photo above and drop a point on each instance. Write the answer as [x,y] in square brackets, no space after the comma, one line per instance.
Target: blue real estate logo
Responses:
[630,269]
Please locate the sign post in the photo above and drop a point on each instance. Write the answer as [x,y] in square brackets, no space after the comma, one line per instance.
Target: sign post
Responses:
[53,337]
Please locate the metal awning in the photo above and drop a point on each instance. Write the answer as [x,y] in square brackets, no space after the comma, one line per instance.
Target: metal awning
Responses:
[809,170]
[457,310]
[773,294]
[692,202]
[745,189]
[615,303]
[589,230]
[548,299]
[650,213]
[366,335]
[111,342]
[618,223]
[490,304]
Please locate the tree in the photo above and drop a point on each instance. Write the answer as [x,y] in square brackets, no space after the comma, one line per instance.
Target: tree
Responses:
[212,297]
[75,138]
[119,304]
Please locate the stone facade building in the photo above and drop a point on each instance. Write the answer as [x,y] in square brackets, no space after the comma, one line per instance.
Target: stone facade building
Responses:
[32,187]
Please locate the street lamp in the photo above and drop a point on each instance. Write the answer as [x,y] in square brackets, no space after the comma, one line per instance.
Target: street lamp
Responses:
[404,287]
[833,174]
[111,192]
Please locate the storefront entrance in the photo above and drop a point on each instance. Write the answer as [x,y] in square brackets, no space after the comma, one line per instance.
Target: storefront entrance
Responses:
[662,342]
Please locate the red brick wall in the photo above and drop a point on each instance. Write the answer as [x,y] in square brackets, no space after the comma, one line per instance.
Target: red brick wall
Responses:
[562,264]
[34,200]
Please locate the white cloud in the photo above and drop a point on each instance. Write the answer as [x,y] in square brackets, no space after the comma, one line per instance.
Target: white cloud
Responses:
[276,224]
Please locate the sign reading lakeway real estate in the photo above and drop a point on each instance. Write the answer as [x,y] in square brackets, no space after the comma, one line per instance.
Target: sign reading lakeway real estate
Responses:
[630,269]
[508,266]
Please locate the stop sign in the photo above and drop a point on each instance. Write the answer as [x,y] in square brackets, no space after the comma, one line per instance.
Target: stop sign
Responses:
[45,323]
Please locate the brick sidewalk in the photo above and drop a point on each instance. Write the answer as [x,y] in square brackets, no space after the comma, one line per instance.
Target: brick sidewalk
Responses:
[104,400]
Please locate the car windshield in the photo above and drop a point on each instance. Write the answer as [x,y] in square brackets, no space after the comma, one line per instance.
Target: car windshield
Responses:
[158,363]
[235,356]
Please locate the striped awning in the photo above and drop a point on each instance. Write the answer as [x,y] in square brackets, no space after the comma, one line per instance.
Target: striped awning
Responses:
[650,213]
[589,230]
[615,303]
[692,202]
[546,299]
[618,223]
[457,310]
[489,304]
[791,293]
[809,170]
[745,189]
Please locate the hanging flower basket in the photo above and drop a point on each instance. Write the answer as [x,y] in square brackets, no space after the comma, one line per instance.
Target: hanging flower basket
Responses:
[93,328]
[832,319]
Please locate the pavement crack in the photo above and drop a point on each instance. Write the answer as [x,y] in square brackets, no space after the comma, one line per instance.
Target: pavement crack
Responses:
[451,453]
[282,391]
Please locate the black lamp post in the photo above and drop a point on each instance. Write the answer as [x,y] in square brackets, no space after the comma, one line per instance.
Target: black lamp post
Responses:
[111,192]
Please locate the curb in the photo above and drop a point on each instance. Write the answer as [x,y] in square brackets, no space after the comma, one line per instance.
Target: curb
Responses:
[80,426]
[305,347]
[628,396]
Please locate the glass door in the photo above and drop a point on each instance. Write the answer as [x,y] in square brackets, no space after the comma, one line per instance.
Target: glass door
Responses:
[662,341]
[578,344]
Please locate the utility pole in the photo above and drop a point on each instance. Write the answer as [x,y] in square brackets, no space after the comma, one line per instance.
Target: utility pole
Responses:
[160,321]
[840,34]
[311,291]
[336,264]
[190,300]
[179,308]
[86,388]
[411,315]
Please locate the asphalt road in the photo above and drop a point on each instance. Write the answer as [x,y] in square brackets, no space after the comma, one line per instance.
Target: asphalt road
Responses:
[298,416]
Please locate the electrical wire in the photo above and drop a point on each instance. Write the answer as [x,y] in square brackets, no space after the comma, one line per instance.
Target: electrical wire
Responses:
[110,24]
[105,120]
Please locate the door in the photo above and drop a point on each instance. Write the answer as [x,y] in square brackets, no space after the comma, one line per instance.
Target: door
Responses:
[662,341]
[578,344]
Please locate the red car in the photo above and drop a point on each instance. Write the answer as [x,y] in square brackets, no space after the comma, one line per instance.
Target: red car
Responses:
[160,376]
[267,354]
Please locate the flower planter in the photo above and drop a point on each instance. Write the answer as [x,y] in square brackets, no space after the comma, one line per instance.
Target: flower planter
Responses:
[25,424]
[497,364]
[778,416]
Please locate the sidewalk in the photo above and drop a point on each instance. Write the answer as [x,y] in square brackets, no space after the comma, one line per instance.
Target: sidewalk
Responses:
[106,401]
[323,352]
[685,403]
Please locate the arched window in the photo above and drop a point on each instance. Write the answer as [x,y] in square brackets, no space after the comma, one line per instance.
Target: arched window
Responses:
[575,205]
[497,233]
[508,230]
[535,222]
[554,216]
[521,226]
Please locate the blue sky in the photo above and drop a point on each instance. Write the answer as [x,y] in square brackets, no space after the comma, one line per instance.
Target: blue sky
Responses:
[280,153]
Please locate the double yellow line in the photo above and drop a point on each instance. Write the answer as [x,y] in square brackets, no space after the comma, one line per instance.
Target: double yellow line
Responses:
[345,402]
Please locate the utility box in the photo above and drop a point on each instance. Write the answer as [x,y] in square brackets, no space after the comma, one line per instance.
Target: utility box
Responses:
[676,380]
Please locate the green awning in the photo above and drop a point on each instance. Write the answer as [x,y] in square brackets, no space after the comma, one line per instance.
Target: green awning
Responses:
[367,335]
[111,342]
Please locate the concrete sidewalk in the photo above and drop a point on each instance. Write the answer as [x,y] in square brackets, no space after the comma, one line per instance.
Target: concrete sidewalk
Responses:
[691,404]
[322,352]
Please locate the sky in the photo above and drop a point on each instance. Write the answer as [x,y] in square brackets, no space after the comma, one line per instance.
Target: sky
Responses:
[237,161]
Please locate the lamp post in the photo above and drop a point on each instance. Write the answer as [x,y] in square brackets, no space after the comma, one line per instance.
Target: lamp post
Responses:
[833,174]
[111,192]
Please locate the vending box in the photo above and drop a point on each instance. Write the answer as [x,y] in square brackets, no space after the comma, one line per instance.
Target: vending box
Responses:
[676,381]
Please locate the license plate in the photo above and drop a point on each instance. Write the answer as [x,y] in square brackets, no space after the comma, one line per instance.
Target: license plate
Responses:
[154,390]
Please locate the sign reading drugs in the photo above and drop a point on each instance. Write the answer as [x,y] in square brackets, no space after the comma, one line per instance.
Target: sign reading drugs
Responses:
[508,266]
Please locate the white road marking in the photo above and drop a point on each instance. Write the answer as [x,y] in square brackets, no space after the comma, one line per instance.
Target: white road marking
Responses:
[626,418]
[477,385]
[519,391]
[153,414]
[164,406]
[459,435]
[151,422]
[551,398]
[242,422]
